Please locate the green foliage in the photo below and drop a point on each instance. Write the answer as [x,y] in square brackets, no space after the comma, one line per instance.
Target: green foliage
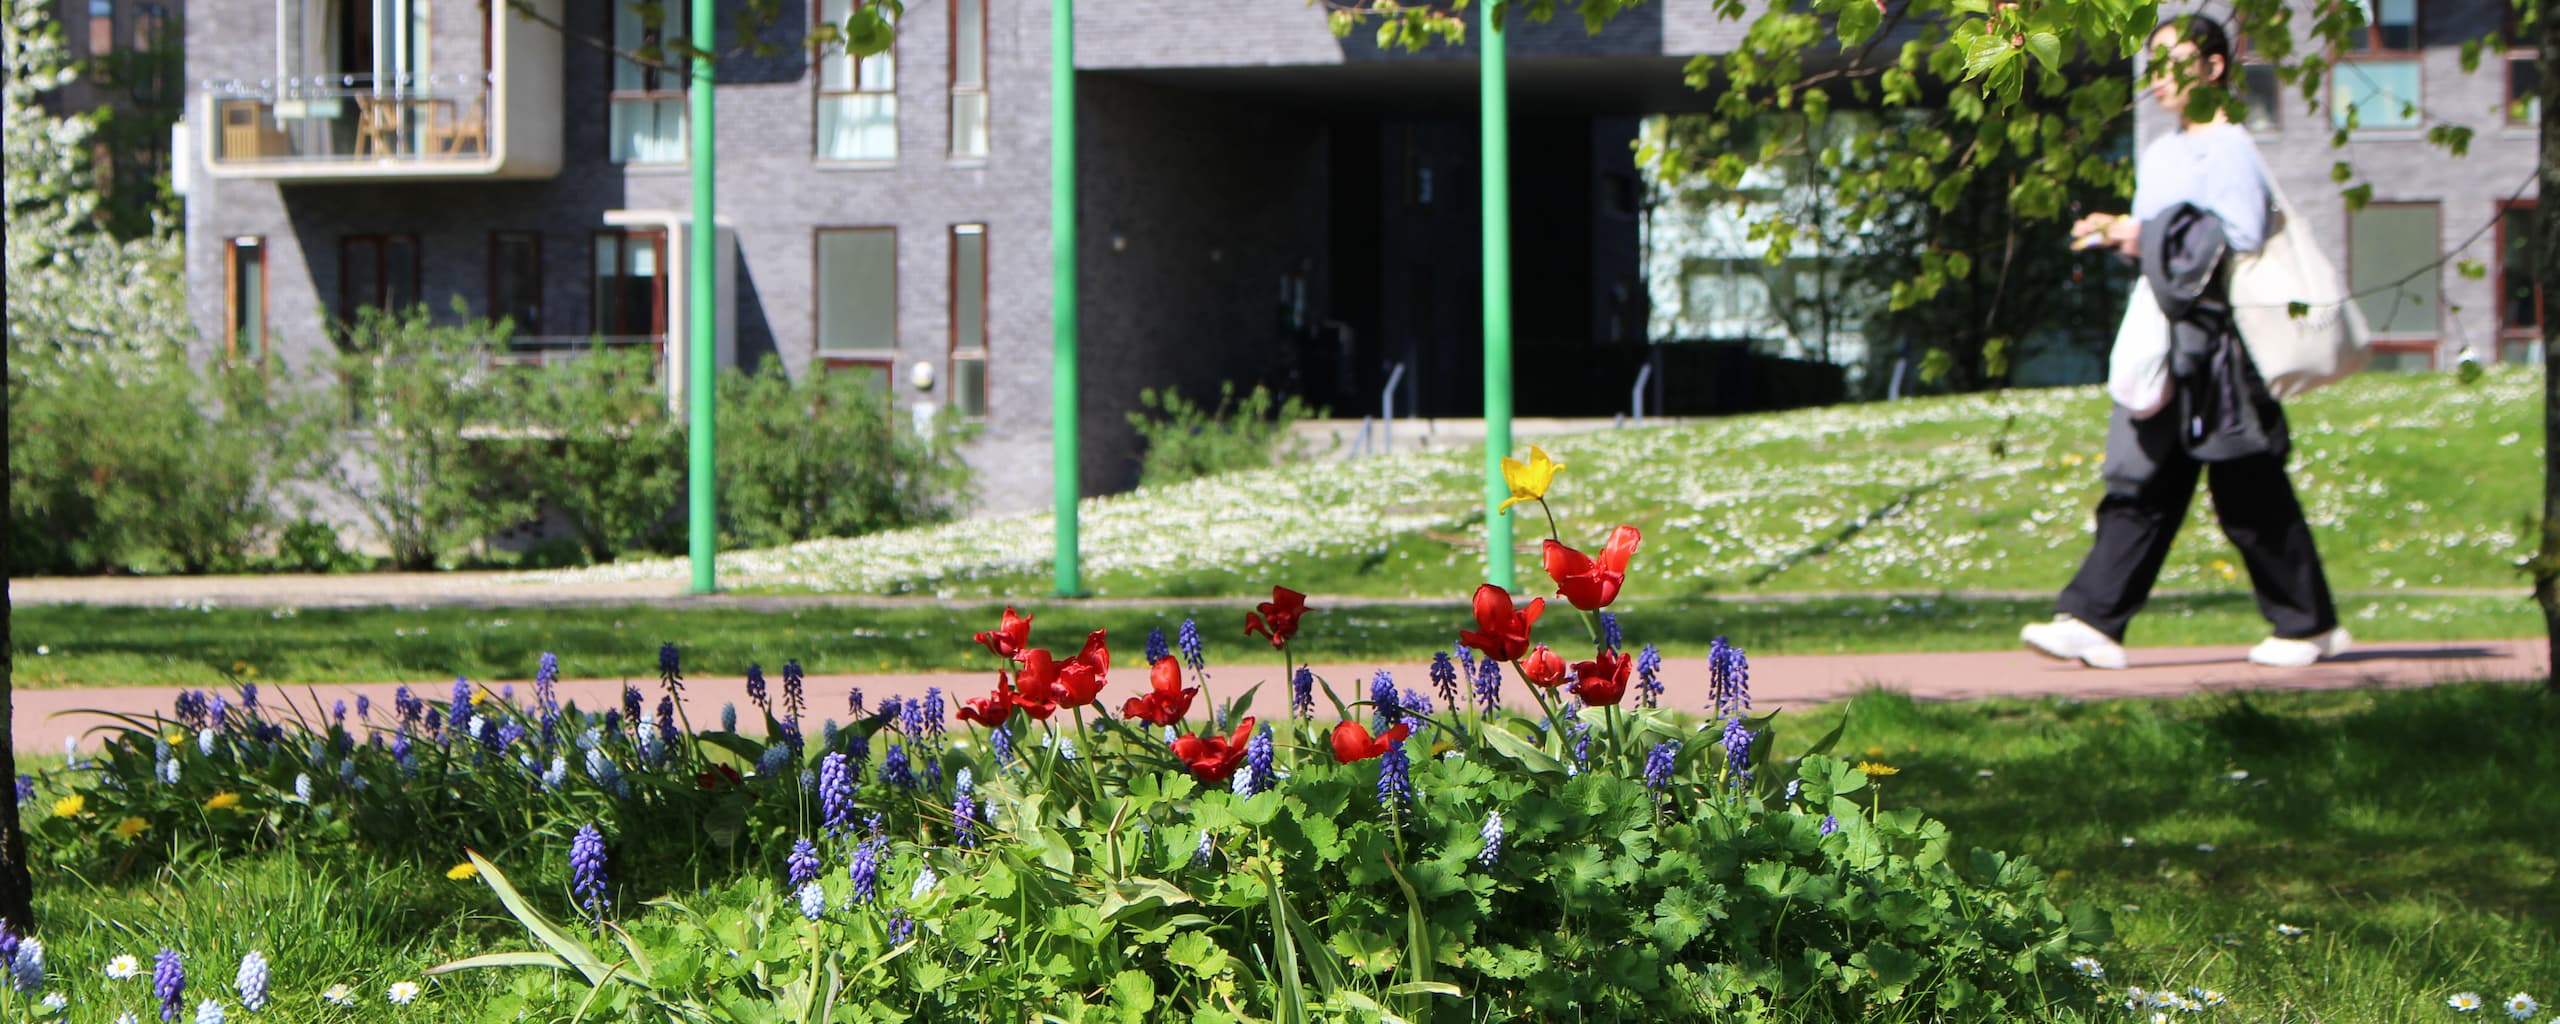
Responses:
[420,396]
[826,456]
[1186,442]
[602,450]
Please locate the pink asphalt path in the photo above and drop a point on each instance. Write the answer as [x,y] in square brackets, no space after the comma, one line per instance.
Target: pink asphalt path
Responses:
[44,718]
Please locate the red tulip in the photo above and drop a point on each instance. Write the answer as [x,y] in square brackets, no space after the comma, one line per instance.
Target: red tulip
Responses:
[993,710]
[1352,742]
[1602,681]
[1080,678]
[1543,667]
[1008,639]
[1505,636]
[1166,700]
[720,777]
[1036,686]
[1587,584]
[1213,758]
[1277,618]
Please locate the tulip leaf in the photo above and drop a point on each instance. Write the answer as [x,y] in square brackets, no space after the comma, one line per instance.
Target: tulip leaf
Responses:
[1129,894]
[1514,746]
[1434,988]
[1829,739]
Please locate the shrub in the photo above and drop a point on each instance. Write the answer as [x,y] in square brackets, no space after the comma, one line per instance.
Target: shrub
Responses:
[605,451]
[423,396]
[826,456]
[1189,442]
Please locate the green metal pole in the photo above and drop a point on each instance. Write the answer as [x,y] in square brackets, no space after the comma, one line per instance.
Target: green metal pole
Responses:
[1066,484]
[699,386]
[1496,110]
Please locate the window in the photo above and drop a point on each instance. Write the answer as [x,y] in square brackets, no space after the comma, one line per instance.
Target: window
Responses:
[377,272]
[2376,94]
[969,319]
[630,284]
[2264,93]
[969,79]
[648,114]
[2524,92]
[244,335]
[857,98]
[2519,294]
[2392,270]
[858,294]
[102,38]
[515,280]
[2391,26]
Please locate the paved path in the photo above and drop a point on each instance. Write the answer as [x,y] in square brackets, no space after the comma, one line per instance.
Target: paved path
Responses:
[44,718]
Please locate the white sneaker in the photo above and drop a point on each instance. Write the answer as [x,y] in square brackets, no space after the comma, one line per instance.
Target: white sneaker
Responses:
[2278,652]
[2070,639]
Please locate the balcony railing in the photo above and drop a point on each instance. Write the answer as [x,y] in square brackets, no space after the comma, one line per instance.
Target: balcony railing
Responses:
[351,125]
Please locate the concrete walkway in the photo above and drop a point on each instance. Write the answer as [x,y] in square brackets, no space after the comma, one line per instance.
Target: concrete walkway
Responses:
[44,718]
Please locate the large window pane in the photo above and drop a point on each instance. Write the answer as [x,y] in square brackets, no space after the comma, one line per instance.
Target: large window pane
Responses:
[2519,299]
[858,126]
[646,115]
[2524,91]
[2380,93]
[248,327]
[648,131]
[969,79]
[2265,95]
[858,291]
[629,288]
[515,280]
[2386,244]
[969,319]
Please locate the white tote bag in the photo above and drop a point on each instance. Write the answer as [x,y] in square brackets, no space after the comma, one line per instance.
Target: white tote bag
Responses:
[2138,365]
[2295,353]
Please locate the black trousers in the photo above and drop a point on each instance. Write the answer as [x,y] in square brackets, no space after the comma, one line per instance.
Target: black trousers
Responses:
[2150,482]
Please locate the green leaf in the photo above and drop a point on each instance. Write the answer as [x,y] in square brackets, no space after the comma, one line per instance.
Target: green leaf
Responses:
[2472,269]
[1829,739]
[1859,20]
[1133,994]
[588,964]
[1894,970]
[2047,48]
[1679,918]
[1986,52]
[1196,952]
[517,959]
[867,32]
[1514,746]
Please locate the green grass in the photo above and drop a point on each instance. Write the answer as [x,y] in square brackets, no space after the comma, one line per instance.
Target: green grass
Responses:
[106,646]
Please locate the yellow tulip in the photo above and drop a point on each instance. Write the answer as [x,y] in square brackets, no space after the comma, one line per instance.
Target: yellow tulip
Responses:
[222,802]
[461,871]
[131,827]
[1529,481]
[70,806]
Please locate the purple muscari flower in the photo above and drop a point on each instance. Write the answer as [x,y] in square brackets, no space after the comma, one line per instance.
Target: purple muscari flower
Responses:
[586,870]
[910,714]
[249,696]
[191,709]
[1658,765]
[435,723]
[461,704]
[1444,677]
[835,792]
[401,755]
[670,669]
[1793,785]
[1382,701]
[26,787]
[492,738]
[1649,675]
[1412,707]
[1192,655]
[1581,741]
[1610,637]
[1728,678]
[1157,648]
[1488,685]
[728,718]
[756,689]
[1492,836]
[667,733]
[964,811]
[1395,781]
[854,702]
[804,863]
[347,772]
[1208,848]
[253,981]
[1302,693]
[509,734]
[364,707]
[901,927]
[1257,761]
[1000,740]
[410,706]
[507,694]
[937,714]
[793,694]
[613,721]
[893,767]
[1737,750]
[219,714]
[169,983]
[9,941]
[338,712]
[1830,824]
[865,870]
[632,707]
[546,676]
[1466,660]
[26,966]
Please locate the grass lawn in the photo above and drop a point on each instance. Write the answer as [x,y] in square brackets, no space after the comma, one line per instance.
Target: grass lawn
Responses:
[2405,832]
[62,646]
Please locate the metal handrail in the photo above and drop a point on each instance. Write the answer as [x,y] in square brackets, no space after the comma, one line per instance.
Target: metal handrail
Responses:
[1387,409]
[1636,397]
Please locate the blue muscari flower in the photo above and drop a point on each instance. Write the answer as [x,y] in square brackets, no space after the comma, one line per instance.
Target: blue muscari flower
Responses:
[26,967]
[632,706]
[168,776]
[1444,677]
[793,693]
[338,712]
[209,1012]
[9,941]
[509,734]
[1830,824]
[1157,648]
[1067,746]
[1466,660]
[1610,637]
[813,900]
[1257,761]
[893,767]
[507,694]
[591,739]
[462,711]
[1658,765]
[670,669]
[1302,693]
[1208,848]
[364,708]
[1737,750]
[827,733]
[901,927]
[1728,678]
[401,755]
[1382,701]
[27,783]
[557,775]
[835,792]
[1581,731]
[964,811]
[1000,740]
[1192,655]
[253,981]
[587,879]
[219,714]
[853,701]
[204,742]
[772,761]
[191,708]
[803,863]
[602,769]
[169,982]
[756,689]
[865,870]
[910,715]
[937,714]
[302,788]
[1793,786]
[613,722]
[653,746]
[1492,836]
[728,718]
[347,771]
[546,675]
[1649,675]
[1488,674]
[249,696]
[409,706]
[1395,781]
[1412,707]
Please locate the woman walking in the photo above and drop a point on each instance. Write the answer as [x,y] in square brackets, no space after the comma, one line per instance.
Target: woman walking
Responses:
[2208,167]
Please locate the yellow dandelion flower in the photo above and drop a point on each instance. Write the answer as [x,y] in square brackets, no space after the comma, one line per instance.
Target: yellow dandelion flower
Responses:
[2224,568]
[70,806]
[238,667]
[131,827]
[222,802]
[479,696]
[1875,751]
[461,871]
[1875,771]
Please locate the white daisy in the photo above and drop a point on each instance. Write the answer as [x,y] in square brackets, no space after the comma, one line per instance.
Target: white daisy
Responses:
[2290,931]
[2208,997]
[340,995]
[406,992]
[2087,967]
[127,1017]
[2522,1007]
[2134,997]
[2128,840]
[2464,1002]
[2204,847]
[124,968]
[56,1002]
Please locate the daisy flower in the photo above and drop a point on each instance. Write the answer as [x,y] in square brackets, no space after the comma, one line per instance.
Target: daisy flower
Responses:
[2290,931]
[2464,1002]
[406,992]
[2208,997]
[124,968]
[339,995]
[2522,1007]
[2087,968]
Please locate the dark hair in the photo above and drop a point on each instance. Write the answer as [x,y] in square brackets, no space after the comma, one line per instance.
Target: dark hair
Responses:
[2208,35]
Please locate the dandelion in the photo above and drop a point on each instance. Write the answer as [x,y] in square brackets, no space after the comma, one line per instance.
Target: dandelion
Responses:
[2087,967]
[124,968]
[339,995]
[2464,1002]
[402,992]
[2522,1007]
[252,981]
[1873,770]
[70,806]
[1658,765]
[208,1012]
[1491,833]
[587,870]
[169,983]
[461,871]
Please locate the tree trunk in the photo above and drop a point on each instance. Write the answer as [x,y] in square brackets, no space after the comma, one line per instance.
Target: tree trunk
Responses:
[17,887]
[2546,277]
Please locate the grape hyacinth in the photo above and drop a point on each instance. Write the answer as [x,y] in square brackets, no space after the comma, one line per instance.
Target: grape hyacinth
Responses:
[853,701]
[26,966]
[1489,685]
[204,742]
[835,793]
[667,733]
[670,670]
[1737,750]
[1257,761]
[253,981]
[1793,787]
[893,767]
[1192,655]
[1581,731]
[302,787]
[190,708]
[1208,848]
[1000,741]
[209,1012]
[756,690]
[794,694]
[813,900]
[546,680]
[804,863]
[901,927]
[924,883]
[557,775]
[1157,648]
[728,718]
[1395,781]
[169,983]
[631,706]
[1728,678]
[460,715]
[1302,693]
[1492,836]
[1658,765]
[1444,677]
[964,811]
[1382,701]
[865,870]
[776,757]
[1610,638]
[1649,676]
[401,755]
[1830,824]
[587,870]
[1412,708]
